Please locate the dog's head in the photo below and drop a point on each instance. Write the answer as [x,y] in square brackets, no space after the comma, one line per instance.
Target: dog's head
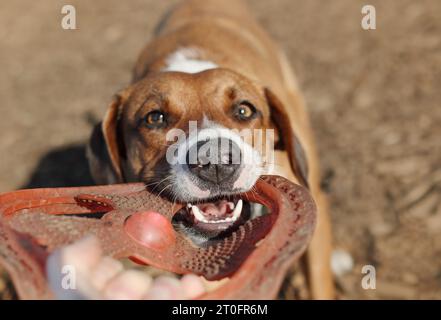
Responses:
[183,135]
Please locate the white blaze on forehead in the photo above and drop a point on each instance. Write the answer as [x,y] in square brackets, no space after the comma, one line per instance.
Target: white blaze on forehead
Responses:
[185,60]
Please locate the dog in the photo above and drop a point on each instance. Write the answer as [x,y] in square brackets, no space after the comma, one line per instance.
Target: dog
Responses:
[211,63]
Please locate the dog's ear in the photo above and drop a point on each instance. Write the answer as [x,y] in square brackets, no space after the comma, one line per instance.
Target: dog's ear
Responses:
[106,149]
[286,138]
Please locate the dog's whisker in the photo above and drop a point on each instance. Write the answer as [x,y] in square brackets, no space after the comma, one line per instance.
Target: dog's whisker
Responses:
[167,186]
[161,182]
[174,197]
[150,184]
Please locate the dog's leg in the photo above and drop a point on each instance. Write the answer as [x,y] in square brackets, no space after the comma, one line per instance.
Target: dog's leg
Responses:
[318,255]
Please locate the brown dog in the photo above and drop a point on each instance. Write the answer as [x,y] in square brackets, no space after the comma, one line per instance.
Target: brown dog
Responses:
[210,62]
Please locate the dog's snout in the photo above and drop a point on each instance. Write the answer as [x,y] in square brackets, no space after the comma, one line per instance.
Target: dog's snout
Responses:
[214,160]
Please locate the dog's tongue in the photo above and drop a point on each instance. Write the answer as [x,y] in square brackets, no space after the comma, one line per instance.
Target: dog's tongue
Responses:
[216,209]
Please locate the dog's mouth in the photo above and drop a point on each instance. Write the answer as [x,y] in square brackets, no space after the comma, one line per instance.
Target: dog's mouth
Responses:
[217,213]
[214,217]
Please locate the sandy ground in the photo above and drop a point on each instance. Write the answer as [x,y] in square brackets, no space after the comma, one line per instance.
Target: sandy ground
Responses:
[374,98]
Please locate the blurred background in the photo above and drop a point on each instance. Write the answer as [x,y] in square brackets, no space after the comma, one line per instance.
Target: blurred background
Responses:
[374,99]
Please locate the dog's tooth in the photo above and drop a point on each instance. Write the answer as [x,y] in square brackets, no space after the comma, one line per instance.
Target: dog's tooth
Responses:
[200,217]
[237,210]
[231,205]
[198,214]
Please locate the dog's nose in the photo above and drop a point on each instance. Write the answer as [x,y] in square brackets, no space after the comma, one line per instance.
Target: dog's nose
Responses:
[214,160]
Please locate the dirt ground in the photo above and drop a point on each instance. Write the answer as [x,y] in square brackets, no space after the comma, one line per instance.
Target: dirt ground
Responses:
[374,99]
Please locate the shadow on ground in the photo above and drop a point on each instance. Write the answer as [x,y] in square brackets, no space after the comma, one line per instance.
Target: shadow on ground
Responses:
[63,167]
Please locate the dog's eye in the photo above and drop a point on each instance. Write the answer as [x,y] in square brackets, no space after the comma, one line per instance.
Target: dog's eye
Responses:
[244,111]
[155,119]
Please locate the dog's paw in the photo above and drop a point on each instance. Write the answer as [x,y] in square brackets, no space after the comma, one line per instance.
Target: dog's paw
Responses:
[80,271]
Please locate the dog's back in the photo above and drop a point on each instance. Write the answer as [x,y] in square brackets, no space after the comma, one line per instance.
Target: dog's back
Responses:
[223,32]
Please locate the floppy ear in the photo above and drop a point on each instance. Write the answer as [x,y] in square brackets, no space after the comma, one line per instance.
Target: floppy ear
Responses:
[287,140]
[106,149]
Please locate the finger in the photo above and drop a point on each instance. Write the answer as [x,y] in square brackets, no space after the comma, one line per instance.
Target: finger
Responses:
[165,288]
[68,270]
[128,285]
[106,269]
[192,286]
[84,254]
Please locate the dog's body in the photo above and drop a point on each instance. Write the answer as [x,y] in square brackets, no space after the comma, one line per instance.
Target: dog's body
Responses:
[207,55]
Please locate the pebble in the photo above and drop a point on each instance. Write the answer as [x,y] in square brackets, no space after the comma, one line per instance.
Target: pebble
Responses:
[341,262]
